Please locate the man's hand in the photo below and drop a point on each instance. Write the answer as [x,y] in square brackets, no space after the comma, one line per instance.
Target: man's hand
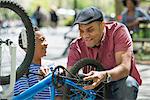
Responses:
[97,78]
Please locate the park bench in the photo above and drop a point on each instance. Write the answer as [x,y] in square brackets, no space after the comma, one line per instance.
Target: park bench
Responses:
[142,41]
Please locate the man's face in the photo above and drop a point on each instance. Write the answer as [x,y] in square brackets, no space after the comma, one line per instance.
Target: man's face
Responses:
[40,45]
[92,33]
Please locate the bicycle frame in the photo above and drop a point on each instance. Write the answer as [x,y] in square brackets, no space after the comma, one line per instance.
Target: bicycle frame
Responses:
[48,81]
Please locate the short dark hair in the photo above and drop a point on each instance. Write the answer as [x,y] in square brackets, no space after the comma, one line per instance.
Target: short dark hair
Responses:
[135,2]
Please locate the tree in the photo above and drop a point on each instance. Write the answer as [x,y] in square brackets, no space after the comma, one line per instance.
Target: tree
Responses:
[118,7]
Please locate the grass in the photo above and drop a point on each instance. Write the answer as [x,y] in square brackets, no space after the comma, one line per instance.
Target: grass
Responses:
[142,56]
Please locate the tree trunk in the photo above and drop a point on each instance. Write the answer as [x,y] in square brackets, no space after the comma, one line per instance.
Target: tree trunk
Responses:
[118,8]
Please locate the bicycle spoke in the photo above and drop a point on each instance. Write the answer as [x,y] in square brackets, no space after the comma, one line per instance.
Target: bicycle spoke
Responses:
[85,65]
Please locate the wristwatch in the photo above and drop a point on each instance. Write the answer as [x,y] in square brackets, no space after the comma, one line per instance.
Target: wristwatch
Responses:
[108,78]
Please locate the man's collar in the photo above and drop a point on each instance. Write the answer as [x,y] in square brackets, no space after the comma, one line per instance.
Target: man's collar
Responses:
[104,34]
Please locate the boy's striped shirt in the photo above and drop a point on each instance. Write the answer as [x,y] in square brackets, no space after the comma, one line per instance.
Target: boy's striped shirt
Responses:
[29,80]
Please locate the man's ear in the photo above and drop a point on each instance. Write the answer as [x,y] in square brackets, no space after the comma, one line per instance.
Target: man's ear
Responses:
[102,25]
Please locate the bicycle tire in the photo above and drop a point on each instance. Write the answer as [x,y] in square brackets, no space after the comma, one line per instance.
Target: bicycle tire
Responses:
[23,67]
[83,62]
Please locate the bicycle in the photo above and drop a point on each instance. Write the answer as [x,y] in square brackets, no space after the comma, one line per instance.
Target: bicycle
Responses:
[12,13]
[73,81]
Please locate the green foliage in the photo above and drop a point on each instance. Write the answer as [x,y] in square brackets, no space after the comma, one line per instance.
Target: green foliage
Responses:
[69,21]
[43,3]
[86,3]
[8,14]
[142,56]
[107,7]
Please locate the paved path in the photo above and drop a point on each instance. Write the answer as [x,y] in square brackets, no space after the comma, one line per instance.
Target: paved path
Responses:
[144,93]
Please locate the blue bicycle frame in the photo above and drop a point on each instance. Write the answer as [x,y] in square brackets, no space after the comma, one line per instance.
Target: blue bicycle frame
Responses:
[48,82]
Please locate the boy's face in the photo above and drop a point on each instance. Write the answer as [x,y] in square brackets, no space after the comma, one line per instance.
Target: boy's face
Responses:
[92,33]
[40,45]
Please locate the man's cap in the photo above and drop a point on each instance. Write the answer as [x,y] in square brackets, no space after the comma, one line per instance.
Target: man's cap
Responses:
[88,15]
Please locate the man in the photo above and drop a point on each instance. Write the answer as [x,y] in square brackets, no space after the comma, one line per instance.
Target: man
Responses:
[111,45]
[28,80]
[38,15]
[53,18]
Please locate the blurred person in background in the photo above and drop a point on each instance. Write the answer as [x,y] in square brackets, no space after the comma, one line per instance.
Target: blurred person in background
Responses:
[148,11]
[1,22]
[37,15]
[133,15]
[53,18]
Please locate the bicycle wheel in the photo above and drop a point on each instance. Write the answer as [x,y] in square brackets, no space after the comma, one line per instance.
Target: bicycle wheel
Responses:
[86,62]
[19,16]
[76,70]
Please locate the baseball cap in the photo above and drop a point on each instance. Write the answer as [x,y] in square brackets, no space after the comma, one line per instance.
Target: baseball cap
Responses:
[88,15]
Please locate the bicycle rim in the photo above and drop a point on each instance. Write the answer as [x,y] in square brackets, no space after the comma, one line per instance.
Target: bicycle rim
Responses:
[82,63]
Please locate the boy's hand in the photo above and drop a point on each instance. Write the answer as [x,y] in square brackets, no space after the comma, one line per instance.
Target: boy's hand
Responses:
[44,71]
